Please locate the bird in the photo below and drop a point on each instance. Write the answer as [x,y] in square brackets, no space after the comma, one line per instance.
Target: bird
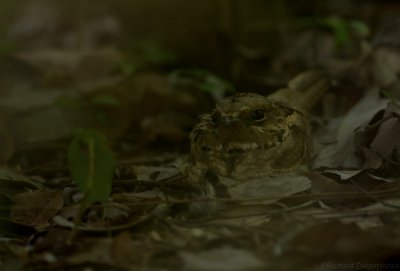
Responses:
[248,135]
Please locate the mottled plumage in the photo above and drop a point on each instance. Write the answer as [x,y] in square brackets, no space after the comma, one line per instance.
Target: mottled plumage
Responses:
[249,135]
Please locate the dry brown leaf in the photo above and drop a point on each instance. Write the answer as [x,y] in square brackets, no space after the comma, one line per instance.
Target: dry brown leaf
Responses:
[386,143]
[353,137]
[36,208]
[266,190]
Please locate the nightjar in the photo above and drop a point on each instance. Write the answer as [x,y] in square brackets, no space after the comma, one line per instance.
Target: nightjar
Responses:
[249,135]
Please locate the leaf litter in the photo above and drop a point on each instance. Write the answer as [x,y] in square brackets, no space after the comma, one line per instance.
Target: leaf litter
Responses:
[343,213]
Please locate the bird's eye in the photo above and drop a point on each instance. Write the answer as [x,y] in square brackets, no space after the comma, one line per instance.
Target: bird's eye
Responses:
[258,114]
[215,118]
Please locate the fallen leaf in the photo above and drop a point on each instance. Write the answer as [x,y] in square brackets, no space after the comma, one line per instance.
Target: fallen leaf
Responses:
[344,174]
[267,190]
[337,195]
[353,134]
[221,259]
[361,113]
[153,173]
[36,208]
[386,142]
[12,183]
[340,154]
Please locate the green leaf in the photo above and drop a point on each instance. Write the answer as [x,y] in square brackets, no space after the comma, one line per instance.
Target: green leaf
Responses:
[360,28]
[91,164]
[202,80]
[339,27]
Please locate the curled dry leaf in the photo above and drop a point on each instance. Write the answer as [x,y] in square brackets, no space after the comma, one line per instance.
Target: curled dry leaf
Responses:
[361,113]
[352,148]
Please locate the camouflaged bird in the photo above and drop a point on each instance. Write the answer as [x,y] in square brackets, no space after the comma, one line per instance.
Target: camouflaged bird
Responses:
[249,135]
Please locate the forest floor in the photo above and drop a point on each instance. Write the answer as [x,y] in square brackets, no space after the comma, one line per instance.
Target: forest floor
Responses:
[95,149]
